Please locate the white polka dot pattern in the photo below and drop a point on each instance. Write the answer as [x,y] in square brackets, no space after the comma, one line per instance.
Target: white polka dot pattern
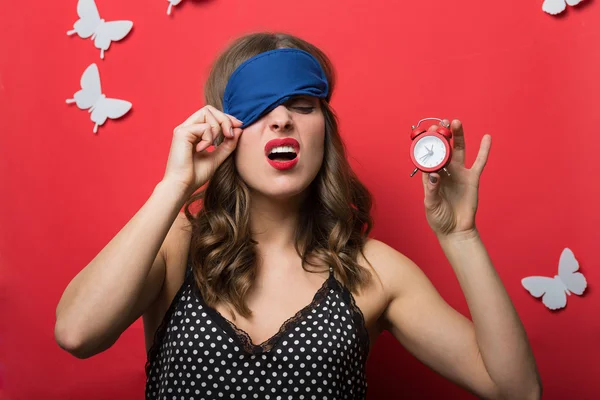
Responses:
[318,354]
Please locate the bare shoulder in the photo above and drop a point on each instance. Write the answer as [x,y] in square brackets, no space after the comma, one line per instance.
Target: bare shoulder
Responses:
[407,290]
[393,268]
[390,270]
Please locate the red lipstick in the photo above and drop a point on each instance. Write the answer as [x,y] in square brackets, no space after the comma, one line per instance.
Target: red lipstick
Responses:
[287,164]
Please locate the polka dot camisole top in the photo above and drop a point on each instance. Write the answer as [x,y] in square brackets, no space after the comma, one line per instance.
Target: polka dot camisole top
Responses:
[319,353]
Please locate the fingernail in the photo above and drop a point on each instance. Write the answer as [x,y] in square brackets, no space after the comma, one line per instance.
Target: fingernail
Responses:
[231,131]
[432,179]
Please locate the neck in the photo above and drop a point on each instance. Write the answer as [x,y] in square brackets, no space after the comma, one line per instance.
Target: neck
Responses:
[274,221]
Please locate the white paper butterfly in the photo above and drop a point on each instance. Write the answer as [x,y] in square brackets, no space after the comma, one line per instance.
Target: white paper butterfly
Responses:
[171,4]
[90,96]
[102,33]
[555,290]
[557,6]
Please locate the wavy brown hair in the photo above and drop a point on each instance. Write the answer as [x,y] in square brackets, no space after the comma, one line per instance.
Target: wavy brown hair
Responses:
[334,218]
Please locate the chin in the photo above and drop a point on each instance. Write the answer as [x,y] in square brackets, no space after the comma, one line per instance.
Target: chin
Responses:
[280,189]
[282,193]
[281,186]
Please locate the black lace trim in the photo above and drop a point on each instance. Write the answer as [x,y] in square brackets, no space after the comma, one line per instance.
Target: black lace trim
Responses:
[359,320]
[243,337]
[159,335]
[246,341]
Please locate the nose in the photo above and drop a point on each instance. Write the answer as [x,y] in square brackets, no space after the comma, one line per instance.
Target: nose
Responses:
[280,119]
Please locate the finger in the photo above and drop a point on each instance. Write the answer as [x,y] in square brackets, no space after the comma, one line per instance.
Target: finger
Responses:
[196,118]
[431,186]
[227,121]
[228,145]
[201,132]
[199,116]
[458,150]
[222,117]
[482,155]
[207,139]
[214,123]
[223,150]
[438,176]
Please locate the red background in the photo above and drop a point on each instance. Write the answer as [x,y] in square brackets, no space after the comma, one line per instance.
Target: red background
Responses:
[504,68]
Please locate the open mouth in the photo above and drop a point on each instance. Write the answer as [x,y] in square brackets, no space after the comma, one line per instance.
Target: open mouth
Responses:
[282,156]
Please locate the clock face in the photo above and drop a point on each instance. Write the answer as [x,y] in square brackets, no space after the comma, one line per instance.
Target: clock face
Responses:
[430,151]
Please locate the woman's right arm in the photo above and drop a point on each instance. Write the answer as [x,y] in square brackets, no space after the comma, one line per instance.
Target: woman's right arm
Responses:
[125,278]
[119,284]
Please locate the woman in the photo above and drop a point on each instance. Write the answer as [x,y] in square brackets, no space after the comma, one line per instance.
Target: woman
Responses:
[273,289]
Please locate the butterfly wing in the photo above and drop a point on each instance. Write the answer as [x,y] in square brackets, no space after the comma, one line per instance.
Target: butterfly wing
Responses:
[109,108]
[536,285]
[573,2]
[111,31]
[554,6]
[554,296]
[567,267]
[89,18]
[90,88]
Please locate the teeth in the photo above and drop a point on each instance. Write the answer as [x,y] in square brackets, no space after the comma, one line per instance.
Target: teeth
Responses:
[283,149]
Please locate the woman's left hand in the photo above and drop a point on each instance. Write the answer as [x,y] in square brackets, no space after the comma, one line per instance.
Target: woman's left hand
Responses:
[451,201]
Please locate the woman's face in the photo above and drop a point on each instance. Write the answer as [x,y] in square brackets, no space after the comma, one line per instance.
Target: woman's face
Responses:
[281,174]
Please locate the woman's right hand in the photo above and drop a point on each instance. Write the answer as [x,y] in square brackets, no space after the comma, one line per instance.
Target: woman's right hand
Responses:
[189,164]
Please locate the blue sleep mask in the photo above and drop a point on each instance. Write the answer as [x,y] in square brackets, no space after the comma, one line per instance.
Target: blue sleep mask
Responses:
[269,79]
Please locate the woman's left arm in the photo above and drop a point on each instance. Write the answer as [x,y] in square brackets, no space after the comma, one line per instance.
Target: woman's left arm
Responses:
[490,356]
[501,338]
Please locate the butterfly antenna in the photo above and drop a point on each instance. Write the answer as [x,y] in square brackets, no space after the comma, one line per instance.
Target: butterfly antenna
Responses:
[71,32]
[102,54]
[96,128]
[69,101]
[169,8]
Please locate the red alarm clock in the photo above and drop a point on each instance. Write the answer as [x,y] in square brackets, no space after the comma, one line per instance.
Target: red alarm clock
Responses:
[430,151]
